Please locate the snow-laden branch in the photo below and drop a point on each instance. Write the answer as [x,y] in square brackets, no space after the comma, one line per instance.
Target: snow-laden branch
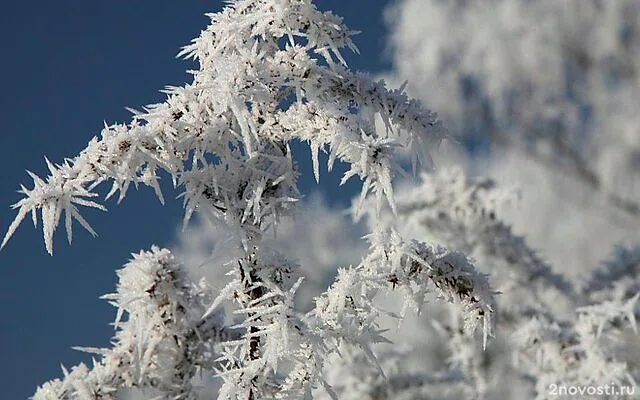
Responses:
[270,72]
[551,324]
[161,340]
[579,352]
[416,269]
[225,137]
[462,214]
[593,345]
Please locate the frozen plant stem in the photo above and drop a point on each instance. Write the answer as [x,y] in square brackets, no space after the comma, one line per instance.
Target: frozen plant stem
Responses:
[270,73]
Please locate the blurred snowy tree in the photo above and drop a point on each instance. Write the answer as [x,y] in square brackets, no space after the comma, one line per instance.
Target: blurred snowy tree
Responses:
[543,94]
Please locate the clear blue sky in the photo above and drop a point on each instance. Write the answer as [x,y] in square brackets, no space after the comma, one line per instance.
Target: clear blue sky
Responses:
[67,67]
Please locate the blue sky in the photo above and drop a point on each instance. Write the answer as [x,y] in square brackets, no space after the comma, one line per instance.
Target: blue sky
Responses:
[67,67]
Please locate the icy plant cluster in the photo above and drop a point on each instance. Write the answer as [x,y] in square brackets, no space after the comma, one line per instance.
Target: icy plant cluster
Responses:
[270,73]
[163,342]
[544,95]
[551,329]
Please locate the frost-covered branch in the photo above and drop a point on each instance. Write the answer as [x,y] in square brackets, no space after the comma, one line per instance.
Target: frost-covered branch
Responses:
[549,324]
[270,72]
[224,137]
[161,340]
[416,269]
[581,352]
[462,214]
